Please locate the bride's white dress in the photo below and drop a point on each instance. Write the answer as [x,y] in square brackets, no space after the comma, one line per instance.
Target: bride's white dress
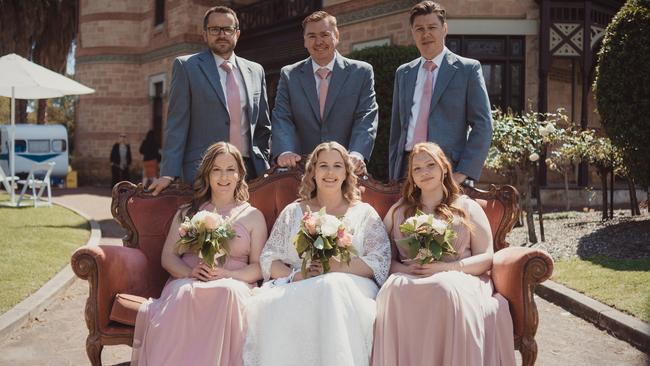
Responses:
[324,320]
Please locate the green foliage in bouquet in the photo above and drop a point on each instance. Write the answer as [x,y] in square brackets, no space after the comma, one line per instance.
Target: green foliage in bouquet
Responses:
[427,238]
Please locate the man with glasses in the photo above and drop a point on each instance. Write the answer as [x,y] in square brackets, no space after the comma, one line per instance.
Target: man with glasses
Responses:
[326,97]
[215,96]
[439,97]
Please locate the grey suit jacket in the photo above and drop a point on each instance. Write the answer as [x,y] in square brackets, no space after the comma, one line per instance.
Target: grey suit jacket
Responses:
[198,115]
[459,101]
[350,115]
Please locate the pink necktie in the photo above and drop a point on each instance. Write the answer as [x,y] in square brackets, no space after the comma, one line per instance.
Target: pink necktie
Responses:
[234,105]
[422,122]
[322,73]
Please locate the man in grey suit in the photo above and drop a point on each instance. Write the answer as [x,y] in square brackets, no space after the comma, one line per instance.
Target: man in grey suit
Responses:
[444,92]
[215,96]
[325,97]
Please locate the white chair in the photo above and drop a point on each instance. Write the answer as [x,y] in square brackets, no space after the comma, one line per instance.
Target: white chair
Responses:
[7,182]
[40,184]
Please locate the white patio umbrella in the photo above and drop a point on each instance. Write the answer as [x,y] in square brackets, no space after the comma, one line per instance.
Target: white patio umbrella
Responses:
[23,79]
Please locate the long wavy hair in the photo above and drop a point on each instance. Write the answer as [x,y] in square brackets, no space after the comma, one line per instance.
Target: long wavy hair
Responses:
[308,184]
[201,186]
[451,191]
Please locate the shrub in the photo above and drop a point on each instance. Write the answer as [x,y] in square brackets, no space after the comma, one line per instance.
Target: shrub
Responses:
[384,60]
[622,85]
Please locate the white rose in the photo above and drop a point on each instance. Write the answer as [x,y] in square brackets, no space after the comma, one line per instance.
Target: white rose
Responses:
[199,217]
[439,226]
[412,221]
[329,225]
[422,219]
[533,157]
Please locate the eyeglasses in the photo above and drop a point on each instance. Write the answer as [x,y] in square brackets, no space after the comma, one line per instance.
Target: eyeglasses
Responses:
[215,31]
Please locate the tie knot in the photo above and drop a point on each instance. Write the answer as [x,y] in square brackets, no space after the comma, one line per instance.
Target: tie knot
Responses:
[323,73]
[226,66]
[429,65]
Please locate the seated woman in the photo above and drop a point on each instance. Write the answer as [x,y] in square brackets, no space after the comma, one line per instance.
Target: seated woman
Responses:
[199,317]
[326,319]
[446,312]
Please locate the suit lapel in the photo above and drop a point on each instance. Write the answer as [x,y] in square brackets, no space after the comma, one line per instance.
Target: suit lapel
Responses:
[446,72]
[340,74]
[408,86]
[209,68]
[246,74]
[309,87]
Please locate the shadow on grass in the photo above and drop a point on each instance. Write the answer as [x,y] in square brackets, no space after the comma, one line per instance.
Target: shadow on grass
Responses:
[623,240]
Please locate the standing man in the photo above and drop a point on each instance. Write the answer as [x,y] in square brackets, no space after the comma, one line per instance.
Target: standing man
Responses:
[439,97]
[120,160]
[215,96]
[325,97]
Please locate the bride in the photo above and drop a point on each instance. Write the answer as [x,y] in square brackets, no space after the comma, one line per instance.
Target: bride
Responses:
[325,319]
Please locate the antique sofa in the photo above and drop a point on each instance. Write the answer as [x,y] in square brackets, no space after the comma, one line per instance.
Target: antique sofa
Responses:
[121,277]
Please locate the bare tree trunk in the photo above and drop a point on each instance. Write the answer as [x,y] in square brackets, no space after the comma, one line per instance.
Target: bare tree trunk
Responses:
[634,202]
[566,190]
[41,115]
[540,207]
[603,188]
[528,207]
[611,193]
[21,111]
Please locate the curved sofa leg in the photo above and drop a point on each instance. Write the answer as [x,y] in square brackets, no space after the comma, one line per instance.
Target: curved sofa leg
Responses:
[94,349]
[528,351]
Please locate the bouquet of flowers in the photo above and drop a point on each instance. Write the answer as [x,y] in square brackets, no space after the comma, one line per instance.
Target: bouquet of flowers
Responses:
[322,237]
[427,238]
[207,234]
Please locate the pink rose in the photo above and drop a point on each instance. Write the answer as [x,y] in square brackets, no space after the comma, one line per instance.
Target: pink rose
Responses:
[212,221]
[310,225]
[182,232]
[344,241]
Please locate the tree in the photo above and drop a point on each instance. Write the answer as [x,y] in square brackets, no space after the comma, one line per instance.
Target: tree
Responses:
[41,31]
[622,86]
[517,142]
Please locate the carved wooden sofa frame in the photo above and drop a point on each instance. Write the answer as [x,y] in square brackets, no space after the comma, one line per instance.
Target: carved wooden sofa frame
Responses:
[134,271]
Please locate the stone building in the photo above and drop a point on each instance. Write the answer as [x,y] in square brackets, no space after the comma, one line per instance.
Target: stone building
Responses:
[534,53]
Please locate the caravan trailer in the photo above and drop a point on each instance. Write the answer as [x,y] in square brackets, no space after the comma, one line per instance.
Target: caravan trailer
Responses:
[35,144]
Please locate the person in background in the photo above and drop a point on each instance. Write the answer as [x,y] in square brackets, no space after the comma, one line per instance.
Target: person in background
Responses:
[120,160]
[150,150]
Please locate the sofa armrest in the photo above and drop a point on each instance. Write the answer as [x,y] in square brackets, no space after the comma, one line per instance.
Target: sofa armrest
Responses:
[109,270]
[516,271]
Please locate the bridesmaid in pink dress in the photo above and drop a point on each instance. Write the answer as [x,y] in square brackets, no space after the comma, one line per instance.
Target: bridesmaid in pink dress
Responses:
[446,312]
[199,317]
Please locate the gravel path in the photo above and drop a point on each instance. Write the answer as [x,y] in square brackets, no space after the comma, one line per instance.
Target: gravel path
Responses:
[583,234]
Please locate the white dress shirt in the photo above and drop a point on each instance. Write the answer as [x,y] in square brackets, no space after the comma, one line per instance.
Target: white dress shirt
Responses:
[417,95]
[245,127]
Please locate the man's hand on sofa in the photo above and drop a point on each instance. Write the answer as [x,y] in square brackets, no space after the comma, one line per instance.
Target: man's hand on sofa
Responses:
[159,184]
[288,159]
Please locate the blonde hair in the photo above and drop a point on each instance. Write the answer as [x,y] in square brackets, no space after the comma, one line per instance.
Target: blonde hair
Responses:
[201,184]
[308,184]
[451,191]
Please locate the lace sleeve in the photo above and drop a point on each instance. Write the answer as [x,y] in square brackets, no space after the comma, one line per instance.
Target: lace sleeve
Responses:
[376,246]
[278,246]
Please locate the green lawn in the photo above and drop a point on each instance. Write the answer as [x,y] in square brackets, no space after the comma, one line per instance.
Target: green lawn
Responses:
[35,244]
[621,283]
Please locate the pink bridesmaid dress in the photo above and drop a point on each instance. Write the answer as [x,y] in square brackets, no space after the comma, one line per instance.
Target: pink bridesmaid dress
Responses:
[194,322]
[449,318]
